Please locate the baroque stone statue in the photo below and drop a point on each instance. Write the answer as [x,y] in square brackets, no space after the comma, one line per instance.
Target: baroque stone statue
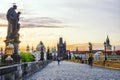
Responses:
[13,25]
[12,32]
[90,47]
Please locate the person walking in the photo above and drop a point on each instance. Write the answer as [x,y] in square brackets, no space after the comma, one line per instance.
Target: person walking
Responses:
[90,60]
[58,59]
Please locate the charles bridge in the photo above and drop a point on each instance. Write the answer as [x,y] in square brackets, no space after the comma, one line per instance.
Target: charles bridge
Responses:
[50,70]
[74,71]
[20,71]
[46,69]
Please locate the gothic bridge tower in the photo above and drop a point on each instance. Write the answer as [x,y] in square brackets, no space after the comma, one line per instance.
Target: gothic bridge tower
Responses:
[61,47]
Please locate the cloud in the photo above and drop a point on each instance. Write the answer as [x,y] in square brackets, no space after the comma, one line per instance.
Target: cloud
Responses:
[34,26]
[42,22]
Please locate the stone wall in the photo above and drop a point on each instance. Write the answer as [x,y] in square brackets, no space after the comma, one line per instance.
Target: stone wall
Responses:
[21,71]
[108,64]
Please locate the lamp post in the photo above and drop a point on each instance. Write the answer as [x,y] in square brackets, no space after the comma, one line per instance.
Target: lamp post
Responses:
[9,52]
[105,51]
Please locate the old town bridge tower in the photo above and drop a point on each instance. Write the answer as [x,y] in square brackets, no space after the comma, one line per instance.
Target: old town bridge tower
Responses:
[61,47]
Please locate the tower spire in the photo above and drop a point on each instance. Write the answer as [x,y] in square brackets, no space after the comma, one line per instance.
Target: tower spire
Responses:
[60,40]
[107,40]
[108,46]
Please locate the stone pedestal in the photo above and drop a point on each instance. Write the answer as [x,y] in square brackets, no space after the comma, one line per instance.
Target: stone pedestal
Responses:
[42,55]
[3,59]
[13,33]
[16,57]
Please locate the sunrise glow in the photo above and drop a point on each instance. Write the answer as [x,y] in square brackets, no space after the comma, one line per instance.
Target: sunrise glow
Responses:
[77,21]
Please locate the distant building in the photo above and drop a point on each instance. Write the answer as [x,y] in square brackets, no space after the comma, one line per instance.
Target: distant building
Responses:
[108,46]
[61,47]
[98,54]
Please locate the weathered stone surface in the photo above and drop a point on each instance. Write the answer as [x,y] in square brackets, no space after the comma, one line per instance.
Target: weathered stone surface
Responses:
[21,71]
[74,71]
[109,64]
[7,69]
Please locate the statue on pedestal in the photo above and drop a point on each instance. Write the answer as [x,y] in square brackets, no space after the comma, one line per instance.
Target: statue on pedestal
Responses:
[13,25]
[90,47]
[12,32]
[41,49]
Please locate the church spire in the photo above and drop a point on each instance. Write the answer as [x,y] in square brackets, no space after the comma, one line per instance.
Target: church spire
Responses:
[107,40]
[108,46]
[60,40]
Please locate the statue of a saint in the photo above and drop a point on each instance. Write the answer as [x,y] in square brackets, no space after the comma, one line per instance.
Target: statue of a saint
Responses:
[13,25]
[90,47]
[12,33]
[40,47]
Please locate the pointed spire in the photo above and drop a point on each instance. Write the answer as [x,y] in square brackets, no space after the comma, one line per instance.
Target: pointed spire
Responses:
[60,40]
[107,40]
[107,37]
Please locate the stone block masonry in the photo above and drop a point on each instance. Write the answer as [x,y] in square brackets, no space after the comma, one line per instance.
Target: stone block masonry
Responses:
[21,71]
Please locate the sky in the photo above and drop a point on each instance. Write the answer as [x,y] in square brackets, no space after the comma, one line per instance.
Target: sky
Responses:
[77,21]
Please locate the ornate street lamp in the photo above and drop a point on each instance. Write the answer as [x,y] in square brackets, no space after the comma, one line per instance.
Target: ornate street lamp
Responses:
[9,52]
[105,51]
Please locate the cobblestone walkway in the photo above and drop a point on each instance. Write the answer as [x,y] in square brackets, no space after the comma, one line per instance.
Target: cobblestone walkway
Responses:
[74,71]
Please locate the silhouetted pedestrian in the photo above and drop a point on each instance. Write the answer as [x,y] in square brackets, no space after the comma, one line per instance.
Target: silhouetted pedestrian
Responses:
[58,59]
[90,60]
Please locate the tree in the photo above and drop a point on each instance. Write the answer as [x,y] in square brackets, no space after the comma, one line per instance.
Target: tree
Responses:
[27,57]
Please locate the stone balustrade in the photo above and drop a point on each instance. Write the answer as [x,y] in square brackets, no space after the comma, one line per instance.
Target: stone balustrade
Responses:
[21,71]
[108,64]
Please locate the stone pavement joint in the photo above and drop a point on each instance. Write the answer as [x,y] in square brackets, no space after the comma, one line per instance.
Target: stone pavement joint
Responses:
[74,71]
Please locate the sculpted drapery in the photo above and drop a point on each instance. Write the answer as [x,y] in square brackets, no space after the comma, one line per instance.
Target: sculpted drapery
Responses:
[13,25]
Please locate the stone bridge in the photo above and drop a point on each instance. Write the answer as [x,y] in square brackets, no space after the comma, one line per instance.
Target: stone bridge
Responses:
[47,70]
[74,71]
[21,71]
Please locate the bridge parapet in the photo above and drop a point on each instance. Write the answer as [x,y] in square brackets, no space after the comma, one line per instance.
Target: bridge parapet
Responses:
[21,71]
